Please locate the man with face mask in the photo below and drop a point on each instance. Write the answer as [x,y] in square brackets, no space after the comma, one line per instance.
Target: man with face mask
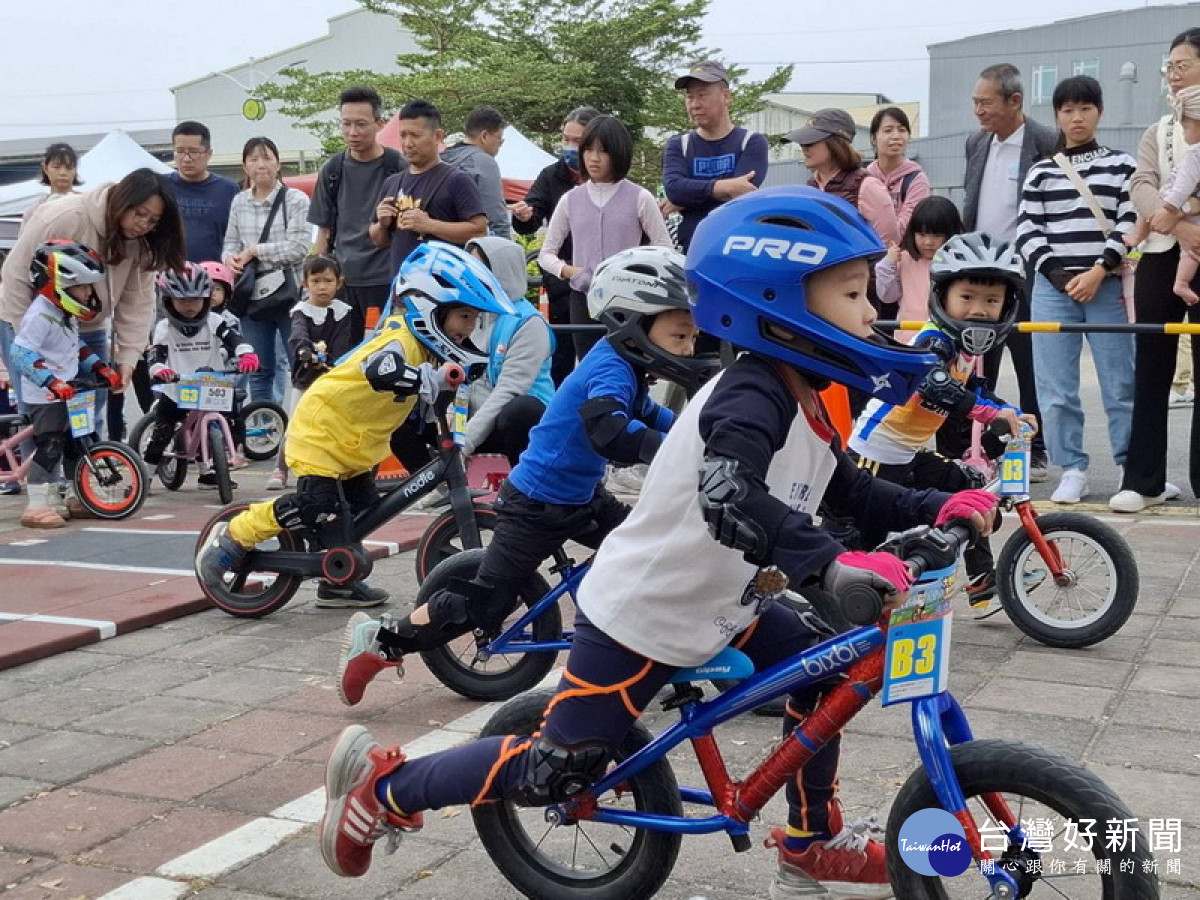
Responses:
[531,213]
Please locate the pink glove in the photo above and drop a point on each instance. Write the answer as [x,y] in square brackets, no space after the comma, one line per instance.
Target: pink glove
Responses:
[248,362]
[164,374]
[882,571]
[965,504]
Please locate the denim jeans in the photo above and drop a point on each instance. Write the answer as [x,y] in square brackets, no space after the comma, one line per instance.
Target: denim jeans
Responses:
[1056,365]
[269,340]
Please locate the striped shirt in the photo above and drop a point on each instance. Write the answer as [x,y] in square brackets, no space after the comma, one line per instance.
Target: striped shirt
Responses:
[1056,228]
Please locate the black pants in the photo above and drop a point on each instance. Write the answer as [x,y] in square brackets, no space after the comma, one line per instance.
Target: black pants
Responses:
[115,409]
[1154,367]
[361,298]
[586,340]
[52,442]
[317,492]
[510,431]
[927,470]
[1020,348]
[604,689]
[563,361]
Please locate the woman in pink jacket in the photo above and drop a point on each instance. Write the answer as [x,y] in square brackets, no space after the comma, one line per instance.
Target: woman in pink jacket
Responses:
[904,179]
[837,169]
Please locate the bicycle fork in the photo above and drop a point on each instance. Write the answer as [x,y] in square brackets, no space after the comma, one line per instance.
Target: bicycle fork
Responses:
[1048,551]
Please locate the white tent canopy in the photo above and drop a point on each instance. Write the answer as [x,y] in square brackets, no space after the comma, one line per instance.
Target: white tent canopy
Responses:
[520,158]
[110,160]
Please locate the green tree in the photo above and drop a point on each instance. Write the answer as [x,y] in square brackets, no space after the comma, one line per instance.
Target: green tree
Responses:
[534,60]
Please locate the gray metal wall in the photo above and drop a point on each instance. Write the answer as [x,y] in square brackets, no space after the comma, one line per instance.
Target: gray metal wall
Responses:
[1141,36]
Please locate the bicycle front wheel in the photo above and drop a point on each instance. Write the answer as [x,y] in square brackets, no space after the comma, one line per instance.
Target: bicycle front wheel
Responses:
[581,860]
[110,481]
[442,539]
[253,594]
[220,461]
[1100,589]
[1036,786]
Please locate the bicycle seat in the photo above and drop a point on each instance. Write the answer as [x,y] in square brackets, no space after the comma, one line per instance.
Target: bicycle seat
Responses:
[729,663]
[13,421]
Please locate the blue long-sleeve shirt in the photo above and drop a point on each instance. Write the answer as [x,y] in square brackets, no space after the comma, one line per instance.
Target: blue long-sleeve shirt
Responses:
[688,178]
[561,464]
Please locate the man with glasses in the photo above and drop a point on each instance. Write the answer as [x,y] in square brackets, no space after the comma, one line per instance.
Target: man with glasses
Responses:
[998,157]
[204,198]
[343,204]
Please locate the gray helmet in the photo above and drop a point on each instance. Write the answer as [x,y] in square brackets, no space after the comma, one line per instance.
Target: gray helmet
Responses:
[976,255]
[189,283]
[628,290]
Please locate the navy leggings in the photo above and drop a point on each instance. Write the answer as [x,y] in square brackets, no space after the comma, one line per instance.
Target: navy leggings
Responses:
[603,691]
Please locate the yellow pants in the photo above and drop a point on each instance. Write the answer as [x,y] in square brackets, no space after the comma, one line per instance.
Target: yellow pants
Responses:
[258,523]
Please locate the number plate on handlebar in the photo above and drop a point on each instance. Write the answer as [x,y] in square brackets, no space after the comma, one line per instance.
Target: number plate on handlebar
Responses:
[208,391]
[81,411]
[918,646]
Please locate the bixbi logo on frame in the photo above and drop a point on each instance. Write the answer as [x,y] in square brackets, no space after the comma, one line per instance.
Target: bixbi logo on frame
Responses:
[932,842]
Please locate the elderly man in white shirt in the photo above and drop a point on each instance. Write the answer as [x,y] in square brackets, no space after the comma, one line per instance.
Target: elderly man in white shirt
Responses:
[998,157]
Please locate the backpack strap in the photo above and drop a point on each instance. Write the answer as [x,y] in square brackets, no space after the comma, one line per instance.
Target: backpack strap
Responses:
[331,174]
[906,183]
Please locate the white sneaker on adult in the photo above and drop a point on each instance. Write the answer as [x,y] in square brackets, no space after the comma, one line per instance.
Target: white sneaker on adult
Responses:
[1072,487]
[1171,491]
[1177,401]
[626,480]
[1132,502]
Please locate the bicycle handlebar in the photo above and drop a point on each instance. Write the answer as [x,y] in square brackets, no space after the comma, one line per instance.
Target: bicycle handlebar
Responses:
[862,604]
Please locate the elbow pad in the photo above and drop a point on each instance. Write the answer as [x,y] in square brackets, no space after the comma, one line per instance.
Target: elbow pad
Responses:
[614,436]
[941,394]
[30,364]
[388,370]
[725,489]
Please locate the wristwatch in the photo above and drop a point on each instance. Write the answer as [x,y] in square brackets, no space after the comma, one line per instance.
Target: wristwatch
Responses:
[1107,264]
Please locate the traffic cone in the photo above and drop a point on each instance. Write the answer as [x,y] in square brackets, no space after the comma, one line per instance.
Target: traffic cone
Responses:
[544,303]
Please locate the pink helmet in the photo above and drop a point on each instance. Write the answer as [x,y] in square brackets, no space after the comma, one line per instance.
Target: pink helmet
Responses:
[219,272]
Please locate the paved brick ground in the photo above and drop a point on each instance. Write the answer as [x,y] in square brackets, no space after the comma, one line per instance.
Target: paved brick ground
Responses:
[122,755]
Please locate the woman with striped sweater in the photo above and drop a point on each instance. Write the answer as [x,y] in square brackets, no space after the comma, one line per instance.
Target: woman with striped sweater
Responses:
[1076,253]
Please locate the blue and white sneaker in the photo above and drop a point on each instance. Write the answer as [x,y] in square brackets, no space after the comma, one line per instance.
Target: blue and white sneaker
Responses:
[219,555]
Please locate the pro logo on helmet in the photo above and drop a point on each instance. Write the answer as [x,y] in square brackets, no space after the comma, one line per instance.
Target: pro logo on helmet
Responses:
[775,248]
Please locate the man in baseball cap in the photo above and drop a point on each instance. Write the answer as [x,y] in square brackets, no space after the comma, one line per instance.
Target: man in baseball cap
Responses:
[825,123]
[708,71]
[714,162]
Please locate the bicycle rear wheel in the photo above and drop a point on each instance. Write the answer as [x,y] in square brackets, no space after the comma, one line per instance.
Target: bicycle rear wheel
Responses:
[456,664]
[252,594]
[581,860]
[1036,785]
[113,484]
[172,471]
[266,424]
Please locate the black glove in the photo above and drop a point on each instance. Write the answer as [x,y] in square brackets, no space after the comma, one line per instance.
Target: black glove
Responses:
[940,393]
[931,546]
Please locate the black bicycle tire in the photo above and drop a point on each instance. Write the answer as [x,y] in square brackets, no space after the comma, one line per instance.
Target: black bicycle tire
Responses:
[135,465]
[643,869]
[431,550]
[278,593]
[171,473]
[1043,775]
[219,454]
[1122,561]
[527,672]
[257,406]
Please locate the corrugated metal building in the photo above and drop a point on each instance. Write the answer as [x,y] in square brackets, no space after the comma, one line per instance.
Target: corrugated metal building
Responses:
[1123,50]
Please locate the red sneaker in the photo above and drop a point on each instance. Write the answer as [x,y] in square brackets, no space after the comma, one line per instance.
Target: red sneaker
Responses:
[362,658]
[849,864]
[354,818]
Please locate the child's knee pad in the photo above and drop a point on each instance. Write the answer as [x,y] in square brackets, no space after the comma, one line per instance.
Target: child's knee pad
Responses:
[49,450]
[320,514]
[555,774]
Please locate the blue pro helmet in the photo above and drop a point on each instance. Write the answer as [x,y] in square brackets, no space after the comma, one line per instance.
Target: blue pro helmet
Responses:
[436,276]
[748,265]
